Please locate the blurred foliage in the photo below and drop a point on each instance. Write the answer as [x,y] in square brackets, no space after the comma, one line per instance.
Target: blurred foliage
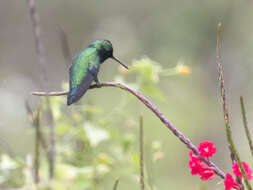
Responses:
[92,151]
[170,32]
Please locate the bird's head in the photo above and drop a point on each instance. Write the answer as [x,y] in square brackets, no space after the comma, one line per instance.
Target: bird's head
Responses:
[105,50]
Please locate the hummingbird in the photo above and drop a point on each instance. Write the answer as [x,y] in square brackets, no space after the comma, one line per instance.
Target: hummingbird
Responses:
[85,67]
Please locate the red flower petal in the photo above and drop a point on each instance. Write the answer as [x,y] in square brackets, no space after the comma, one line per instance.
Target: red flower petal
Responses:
[194,157]
[206,149]
[230,183]
[237,171]
[207,174]
[195,167]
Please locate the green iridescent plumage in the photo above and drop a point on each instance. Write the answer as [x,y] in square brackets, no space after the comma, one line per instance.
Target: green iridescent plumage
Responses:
[85,60]
[85,67]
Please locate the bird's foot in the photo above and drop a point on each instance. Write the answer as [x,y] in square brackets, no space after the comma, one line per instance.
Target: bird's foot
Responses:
[98,84]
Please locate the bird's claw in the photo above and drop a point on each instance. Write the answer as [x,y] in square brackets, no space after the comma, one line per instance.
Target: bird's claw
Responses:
[98,84]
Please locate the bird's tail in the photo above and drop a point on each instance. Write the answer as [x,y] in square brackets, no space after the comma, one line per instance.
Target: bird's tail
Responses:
[70,99]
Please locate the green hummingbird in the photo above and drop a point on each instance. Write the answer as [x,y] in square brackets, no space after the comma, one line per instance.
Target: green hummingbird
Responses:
[85,67]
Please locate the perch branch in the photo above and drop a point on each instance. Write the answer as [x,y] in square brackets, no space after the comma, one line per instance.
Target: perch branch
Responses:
[153,108]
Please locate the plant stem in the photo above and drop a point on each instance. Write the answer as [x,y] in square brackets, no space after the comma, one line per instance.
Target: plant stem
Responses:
[245,124]
[141,155]
[37,150]
[42,63]
[116,184]
[222,90]
[153,108]
[232,148]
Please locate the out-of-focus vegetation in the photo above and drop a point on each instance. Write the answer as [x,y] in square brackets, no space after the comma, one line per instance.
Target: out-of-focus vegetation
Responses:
[91,152]
[180,78]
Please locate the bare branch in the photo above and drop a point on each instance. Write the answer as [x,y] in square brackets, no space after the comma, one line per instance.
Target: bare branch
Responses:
[147,103]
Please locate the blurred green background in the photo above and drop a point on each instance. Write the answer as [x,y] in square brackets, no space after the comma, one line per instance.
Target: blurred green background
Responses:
[168,32]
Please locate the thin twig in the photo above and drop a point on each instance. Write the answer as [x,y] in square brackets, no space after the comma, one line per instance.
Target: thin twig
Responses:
[163,119]
[141,155]
[51,151]
[42,63]
[37,150]
[32,115]
[116,184]
[150,169]
[59,93]
[245,124]
[38,42]
[222,90]
[232,148]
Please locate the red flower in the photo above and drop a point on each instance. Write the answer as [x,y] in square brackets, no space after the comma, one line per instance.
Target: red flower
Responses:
[230,183]
[207,173]
[197,168]
[194,157]
[206,149]
[237,171]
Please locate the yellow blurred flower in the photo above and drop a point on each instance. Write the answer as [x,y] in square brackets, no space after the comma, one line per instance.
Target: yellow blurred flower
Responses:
[158,156]
[179,69]
[183,69]
[156,145]
[104,159]
[76,116]
[56,112]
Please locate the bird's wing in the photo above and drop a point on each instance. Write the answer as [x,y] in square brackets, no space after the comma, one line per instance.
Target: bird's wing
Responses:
[78,90]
